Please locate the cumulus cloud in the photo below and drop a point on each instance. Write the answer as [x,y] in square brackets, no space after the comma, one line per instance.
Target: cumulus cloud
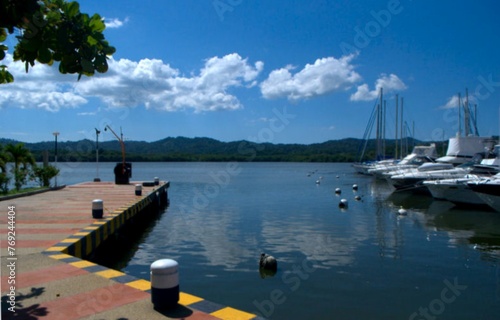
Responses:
[387,82]
[148,82]
[114,23]
[325,76]
[42,88]
[157,85]
[455,101]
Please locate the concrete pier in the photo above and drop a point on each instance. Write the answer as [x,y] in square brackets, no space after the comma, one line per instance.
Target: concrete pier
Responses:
[47,237]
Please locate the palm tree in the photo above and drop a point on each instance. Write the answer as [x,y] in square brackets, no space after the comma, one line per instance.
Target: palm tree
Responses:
[22,157]
[4,179]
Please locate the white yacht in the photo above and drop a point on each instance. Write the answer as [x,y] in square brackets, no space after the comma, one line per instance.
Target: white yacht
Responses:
[419,156]
[463,149]
[413,179]
[455,190]
[488,190]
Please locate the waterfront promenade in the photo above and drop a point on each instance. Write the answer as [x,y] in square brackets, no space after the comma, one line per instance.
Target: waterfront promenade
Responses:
[45,239]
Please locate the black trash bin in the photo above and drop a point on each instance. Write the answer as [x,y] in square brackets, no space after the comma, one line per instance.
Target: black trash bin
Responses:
[123,172]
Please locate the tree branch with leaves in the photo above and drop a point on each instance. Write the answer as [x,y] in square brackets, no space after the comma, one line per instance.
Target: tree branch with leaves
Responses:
[53,31]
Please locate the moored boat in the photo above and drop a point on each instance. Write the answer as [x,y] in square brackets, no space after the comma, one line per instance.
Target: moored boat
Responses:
[455,190]
[419,156]
[488,190]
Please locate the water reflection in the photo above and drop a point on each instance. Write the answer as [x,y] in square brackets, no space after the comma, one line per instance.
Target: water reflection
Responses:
[368,251]
[211,235]
[478,229]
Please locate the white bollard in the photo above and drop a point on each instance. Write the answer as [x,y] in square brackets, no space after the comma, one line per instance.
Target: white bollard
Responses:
[97,208]
[138,189]
[164,283]
[157,181]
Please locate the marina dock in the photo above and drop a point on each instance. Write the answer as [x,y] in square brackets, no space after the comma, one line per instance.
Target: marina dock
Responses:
[46,239]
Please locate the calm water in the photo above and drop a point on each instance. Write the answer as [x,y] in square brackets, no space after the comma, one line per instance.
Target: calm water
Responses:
[364,262]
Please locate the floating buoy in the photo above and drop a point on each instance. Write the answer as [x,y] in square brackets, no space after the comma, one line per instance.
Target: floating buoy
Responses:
[318,182]
[357,198]
[268,262]
[337,177]
[343,203]
[402,211]
[338,191]
[354,187]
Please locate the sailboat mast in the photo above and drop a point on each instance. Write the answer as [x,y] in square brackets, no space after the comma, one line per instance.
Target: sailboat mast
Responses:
[396,138]
[459,116]
[383,126]
[467,114]
[402,129]
[379,125]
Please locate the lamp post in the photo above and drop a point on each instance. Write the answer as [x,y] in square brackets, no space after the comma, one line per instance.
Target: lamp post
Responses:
[55,135]
[97,179]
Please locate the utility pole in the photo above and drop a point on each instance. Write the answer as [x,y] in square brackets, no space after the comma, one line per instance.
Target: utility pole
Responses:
[97,132]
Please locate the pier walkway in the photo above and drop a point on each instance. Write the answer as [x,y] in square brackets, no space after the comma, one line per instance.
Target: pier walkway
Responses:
[44,271]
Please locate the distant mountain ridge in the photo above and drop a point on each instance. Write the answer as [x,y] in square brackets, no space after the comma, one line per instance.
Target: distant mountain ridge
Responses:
[207,149]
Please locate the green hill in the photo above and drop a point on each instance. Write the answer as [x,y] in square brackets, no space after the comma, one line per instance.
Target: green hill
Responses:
[207,149]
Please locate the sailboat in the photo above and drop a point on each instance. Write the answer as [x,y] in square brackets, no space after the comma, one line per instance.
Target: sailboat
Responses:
[465,150]
[377,117]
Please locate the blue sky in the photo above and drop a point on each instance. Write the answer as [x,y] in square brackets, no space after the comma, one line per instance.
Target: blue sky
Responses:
[268,71]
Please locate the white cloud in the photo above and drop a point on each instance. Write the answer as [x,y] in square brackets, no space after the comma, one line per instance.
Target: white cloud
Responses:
[157,85]
[453,102]
[325,76]
[41,88]
[114,23]
[387,82]
[149,82]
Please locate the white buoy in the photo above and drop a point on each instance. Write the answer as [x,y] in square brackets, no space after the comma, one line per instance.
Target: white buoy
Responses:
[138,189]
[402,211]
[354,187]
[357,198]
[338,191]
[164,283]
[97,209]
[318,182]
[343,203]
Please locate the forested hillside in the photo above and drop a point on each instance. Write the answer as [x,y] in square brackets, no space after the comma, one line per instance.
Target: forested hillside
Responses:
[207,149]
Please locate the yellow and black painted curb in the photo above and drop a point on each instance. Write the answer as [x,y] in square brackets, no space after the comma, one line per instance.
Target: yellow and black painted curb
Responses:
[84,242]
[75,248]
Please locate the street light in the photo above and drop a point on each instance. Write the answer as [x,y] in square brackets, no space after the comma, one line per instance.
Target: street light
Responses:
[55,135]
[97,179]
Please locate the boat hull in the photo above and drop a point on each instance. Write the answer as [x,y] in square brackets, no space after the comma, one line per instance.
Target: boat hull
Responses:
[489,192]
[454,190]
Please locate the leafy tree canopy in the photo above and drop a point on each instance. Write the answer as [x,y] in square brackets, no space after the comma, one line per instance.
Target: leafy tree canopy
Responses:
[53,30]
